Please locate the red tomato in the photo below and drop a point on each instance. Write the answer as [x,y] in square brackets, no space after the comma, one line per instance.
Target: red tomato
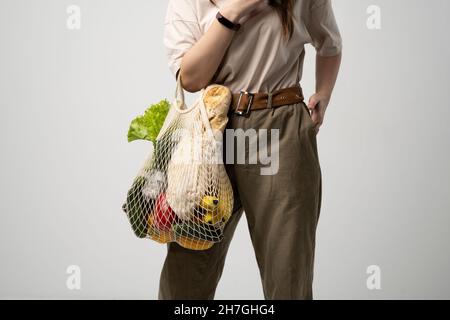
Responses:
[164,215]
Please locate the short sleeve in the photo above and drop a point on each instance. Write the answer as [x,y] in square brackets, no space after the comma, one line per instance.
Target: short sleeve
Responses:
[323,30]
[181,32]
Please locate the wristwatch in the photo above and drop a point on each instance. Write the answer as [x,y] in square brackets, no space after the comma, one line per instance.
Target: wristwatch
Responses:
[227,23]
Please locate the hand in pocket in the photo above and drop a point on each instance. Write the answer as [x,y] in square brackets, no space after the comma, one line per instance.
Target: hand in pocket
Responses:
[317,105]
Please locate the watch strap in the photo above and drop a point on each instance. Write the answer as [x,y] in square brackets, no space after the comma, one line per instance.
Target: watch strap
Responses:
[227,23]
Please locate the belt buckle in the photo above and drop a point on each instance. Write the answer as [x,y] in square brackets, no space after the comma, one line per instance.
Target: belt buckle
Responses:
[247,110]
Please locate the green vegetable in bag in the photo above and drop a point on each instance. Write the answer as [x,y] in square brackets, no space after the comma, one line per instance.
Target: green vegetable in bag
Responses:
[148,125]
[136,207]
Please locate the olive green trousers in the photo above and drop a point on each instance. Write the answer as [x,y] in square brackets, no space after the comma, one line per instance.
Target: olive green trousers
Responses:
[282,212]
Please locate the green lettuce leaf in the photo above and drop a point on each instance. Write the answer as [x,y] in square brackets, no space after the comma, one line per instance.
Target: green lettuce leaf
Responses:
[148,125]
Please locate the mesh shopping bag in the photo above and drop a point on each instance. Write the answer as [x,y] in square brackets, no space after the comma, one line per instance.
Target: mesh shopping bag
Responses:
[182,192]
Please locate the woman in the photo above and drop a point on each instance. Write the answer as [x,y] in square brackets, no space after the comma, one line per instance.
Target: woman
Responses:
[258,47]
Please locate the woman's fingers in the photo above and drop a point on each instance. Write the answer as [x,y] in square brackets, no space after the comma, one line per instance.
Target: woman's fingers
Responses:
[312,105]
[317,111]
[313,101]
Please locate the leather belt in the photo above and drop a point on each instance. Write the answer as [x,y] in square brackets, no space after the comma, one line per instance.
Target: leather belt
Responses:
[244,102]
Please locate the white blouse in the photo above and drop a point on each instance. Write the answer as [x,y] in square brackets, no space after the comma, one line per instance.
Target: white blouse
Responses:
[258,59]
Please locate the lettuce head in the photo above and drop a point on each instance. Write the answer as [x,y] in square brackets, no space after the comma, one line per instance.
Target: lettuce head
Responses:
[148,125]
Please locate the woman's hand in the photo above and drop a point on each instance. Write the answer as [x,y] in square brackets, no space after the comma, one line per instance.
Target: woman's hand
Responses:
[327,69]
[318,104]
[239,11]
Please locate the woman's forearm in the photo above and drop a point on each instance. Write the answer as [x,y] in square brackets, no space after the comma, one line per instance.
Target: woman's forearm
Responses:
[201,62]
[327,69]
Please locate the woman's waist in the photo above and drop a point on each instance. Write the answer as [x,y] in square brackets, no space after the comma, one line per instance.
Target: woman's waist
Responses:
[244,102]
[261,86]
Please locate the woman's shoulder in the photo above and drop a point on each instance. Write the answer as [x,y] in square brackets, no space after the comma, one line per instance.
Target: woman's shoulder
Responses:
[189,10]
[181,10]
[312,4]
[306,7]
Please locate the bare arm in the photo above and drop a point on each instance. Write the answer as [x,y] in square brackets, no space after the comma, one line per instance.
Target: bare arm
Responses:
[201,62]
[327,69]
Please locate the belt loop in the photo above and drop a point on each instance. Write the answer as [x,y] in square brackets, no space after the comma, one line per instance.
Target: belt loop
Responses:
[269,100]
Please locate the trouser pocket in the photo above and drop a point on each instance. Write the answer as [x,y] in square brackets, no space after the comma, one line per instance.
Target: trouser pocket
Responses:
[308,115]
[307,135]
